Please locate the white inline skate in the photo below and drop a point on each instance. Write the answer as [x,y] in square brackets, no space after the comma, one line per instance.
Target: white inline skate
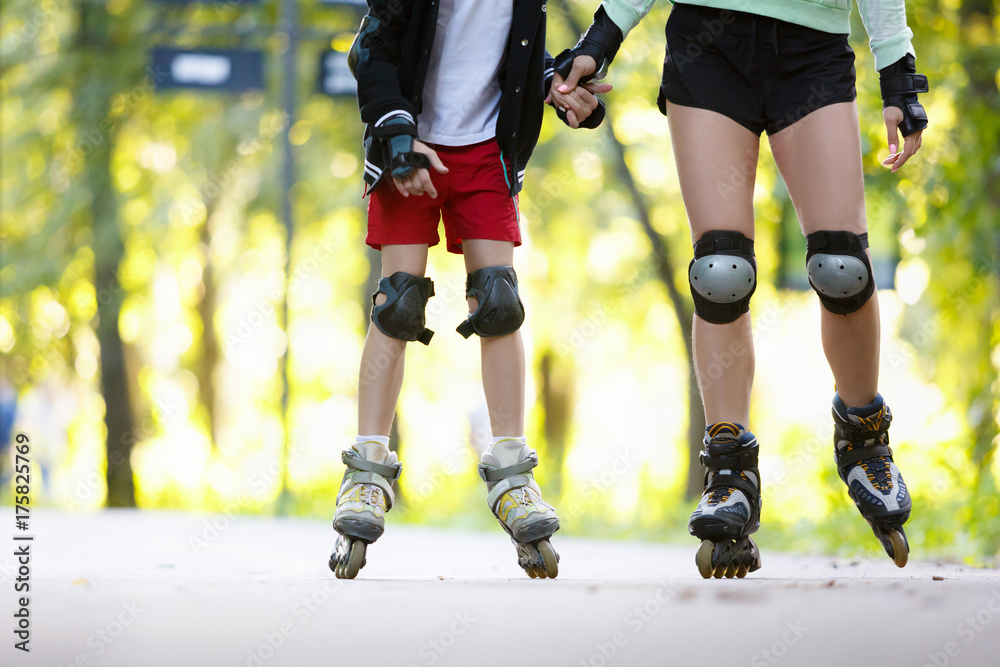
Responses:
[516,501]
[365,496]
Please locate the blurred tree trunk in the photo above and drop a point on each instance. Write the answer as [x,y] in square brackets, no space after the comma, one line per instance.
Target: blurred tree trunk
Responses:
[982,101]
[557,402]
[683,309]
[101,74]
[205,370]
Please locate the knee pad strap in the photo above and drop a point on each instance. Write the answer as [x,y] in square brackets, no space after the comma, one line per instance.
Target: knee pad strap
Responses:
[401,316]
[500,310]
[723,276]
[839,270]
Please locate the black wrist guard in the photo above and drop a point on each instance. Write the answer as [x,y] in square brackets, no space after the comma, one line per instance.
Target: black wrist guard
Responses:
[601,42]
[900,84]
[397,136]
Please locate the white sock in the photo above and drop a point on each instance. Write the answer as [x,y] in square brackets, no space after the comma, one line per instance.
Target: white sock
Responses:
[381,439]
[519,438]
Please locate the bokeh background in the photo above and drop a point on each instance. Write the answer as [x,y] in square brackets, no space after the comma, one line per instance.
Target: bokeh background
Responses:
[182,310]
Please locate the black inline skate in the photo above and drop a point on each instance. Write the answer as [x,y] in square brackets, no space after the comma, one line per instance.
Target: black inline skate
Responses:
[864,460]
[729,510]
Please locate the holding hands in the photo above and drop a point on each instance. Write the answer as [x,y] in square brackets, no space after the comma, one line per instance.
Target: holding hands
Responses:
[576,100]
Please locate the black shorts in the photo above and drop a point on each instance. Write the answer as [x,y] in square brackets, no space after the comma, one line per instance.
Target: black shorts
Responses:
[763,73]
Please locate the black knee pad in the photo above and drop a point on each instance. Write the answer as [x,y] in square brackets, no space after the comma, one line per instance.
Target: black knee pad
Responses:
[723,276]
[839,270]
[402,314]
[500,310]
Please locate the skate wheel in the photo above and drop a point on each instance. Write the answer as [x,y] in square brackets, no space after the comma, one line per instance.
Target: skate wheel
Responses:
[900,550]
[731,570]
[349,567]
[742,570]
[531,571]
[549,560]
[704,559]
[719,572]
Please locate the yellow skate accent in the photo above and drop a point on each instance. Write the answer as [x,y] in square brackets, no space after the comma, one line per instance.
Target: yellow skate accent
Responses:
[363,498]
[719,427]
[518,503]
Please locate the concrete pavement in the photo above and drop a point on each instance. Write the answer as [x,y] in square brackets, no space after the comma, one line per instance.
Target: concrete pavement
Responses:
[150,588]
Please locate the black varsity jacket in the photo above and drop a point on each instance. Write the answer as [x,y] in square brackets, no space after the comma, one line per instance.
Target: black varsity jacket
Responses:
[393,50]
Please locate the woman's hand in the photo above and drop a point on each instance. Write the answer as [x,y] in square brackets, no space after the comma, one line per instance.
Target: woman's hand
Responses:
[893,116]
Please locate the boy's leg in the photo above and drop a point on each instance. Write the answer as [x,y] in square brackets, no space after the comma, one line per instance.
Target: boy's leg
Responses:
[366,492]
[382,359]
[506,465]
[502,356]
[820,160]
[716,165]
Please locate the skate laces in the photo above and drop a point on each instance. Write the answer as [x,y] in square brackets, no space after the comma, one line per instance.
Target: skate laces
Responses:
[875,468]
[369,494]
[721,494]
[522,497]
[723,438]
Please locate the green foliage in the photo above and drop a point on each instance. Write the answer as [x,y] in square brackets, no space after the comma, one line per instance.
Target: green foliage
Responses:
[196,189]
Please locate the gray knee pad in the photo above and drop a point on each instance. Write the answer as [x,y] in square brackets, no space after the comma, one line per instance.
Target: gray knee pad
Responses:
[723,276]
[500,310]
[402,314]
[839,270]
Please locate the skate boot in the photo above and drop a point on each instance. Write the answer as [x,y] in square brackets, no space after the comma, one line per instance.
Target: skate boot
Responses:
[516,501]
[729,510]
[365,496]
[864,460]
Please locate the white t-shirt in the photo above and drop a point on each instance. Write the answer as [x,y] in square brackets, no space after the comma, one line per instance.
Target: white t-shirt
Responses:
[461,96]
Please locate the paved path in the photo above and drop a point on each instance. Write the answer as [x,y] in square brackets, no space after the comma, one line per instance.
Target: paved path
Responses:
[149,589]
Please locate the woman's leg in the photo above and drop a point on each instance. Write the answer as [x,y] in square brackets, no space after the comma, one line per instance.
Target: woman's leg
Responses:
[716,166]
[820,160]
[381,375]
[503,356]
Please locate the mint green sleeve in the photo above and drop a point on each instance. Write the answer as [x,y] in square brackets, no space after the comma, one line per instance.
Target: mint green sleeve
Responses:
[627,13]
[888,34]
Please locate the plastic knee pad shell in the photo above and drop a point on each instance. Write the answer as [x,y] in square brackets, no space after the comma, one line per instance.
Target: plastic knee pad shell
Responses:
[500,310]
[723,276]
[402,314]
[839,270]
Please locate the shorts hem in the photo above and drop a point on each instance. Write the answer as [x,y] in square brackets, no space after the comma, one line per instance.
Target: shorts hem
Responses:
[770,128]
[707,107]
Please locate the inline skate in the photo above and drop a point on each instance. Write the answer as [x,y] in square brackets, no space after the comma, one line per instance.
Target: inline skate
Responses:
[365,496]
[516,501]
[729,510]
[864,461]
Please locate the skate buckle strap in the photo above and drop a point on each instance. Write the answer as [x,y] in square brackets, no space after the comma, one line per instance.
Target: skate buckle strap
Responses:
[741,461]
[862,452]
[860,432]
[489,474]
[737,481]
[391,473]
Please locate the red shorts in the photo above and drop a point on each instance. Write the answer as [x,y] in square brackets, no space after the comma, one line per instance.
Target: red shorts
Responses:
[473,198]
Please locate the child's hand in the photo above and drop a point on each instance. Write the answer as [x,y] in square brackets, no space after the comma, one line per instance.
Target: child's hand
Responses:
[419,182]
[893,116]
[580,102]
